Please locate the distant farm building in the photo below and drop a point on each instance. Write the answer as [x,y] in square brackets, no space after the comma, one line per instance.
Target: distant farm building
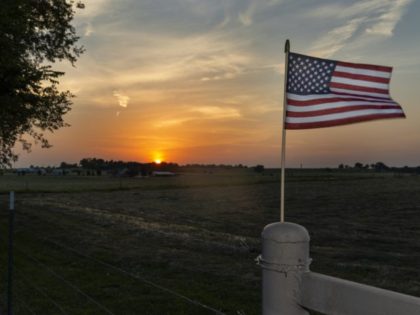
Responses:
[30,170]
[58,172]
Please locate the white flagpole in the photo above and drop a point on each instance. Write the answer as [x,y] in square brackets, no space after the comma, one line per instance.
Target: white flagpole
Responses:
[283,143]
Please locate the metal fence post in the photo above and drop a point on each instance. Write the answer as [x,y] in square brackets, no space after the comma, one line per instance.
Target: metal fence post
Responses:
[285,256]
[10,254]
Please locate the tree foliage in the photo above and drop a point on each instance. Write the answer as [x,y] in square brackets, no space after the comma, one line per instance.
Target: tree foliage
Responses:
[33,35]
[259,168]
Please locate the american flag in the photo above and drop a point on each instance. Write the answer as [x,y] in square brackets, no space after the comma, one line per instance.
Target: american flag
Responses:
[324,93]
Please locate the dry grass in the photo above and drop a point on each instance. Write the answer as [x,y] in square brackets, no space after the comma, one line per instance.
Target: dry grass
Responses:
[199,235]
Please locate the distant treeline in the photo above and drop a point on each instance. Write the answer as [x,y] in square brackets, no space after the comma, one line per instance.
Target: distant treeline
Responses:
[129,168]
[101,164]
[98,166]
[380,167]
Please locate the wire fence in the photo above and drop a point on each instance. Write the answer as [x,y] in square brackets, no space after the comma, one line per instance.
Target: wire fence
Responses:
[66,282]
[22,280]
[25,306]
[137,277]
[29,283]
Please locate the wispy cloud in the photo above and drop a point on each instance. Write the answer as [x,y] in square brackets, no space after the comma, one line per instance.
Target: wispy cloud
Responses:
[387,21]
[199,113]
[246,17]
[362,19]
[215,112]
[89,29]
[159,58]
[84,16]
[163,123]
[121,98]
[336,39]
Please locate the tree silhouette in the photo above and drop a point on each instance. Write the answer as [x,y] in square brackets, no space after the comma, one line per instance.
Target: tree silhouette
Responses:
[33,35]
[259,168]
[380,166]
[358,165]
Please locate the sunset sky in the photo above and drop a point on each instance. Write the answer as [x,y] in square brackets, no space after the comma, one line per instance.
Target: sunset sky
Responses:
[201,81]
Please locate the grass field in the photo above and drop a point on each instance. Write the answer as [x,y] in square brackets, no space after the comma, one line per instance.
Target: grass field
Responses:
[198,235]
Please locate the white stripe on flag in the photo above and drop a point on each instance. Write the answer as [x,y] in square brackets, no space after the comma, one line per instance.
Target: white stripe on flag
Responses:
[310,108]
[364,83]
[381,95]
[373,73]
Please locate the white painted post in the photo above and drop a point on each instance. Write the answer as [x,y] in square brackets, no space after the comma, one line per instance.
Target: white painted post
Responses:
[285,257]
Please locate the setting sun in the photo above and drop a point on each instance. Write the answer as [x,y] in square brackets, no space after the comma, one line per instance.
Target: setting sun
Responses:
[157,157]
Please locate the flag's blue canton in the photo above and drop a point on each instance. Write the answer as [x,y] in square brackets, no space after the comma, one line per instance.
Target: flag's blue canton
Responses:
[308,75]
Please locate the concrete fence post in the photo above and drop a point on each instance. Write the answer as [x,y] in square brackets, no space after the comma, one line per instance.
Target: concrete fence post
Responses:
[285,257]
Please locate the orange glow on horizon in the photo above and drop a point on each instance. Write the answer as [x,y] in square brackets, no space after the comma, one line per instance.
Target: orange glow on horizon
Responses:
[157,157]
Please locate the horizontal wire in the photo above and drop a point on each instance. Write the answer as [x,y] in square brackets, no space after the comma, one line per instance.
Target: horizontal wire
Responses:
[137,277]
[127,273]
[25,306]
[68,283]
[41,291]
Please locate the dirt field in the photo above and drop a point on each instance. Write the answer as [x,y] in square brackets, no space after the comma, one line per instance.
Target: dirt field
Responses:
[198,235]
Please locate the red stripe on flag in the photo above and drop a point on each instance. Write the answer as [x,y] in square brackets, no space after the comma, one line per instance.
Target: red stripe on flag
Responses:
[360,77]
[343,121]
[357,88]
[337,110]
[364,66]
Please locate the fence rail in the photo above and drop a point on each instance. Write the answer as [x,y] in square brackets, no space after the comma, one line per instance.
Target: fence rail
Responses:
[290,288]
[330,295]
